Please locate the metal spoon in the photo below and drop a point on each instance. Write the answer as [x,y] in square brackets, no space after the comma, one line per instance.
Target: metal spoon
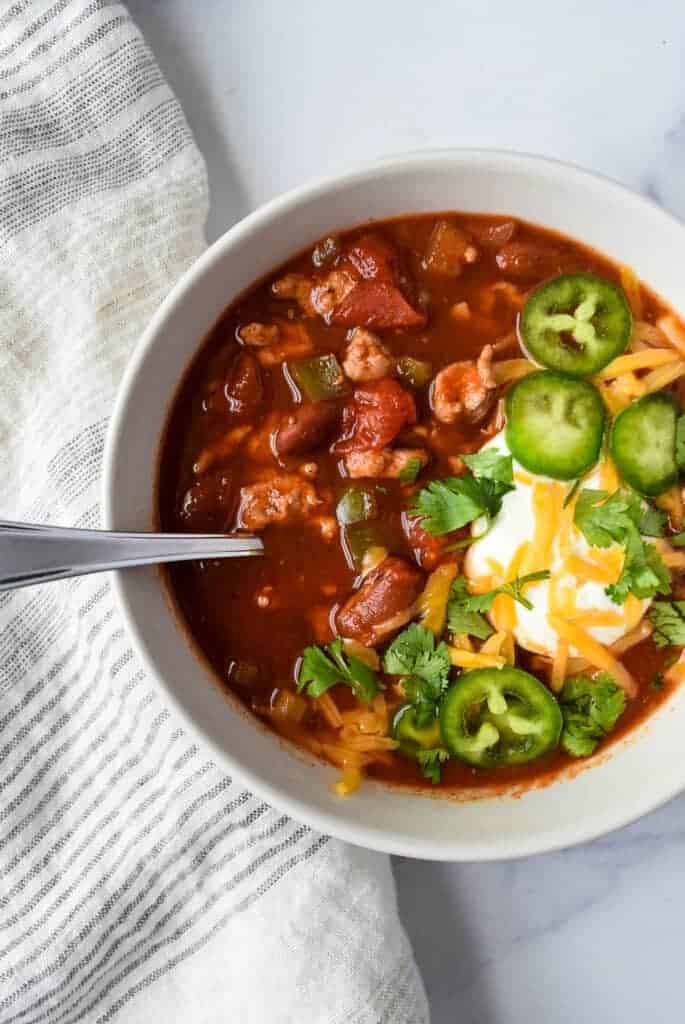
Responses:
[37,554]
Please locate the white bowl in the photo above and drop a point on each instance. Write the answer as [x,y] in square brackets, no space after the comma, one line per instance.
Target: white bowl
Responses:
[641,772]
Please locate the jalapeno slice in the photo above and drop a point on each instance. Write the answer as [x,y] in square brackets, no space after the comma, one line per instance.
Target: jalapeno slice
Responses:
[555,424]
[576,323]
[411,736]
[643,444]
[504,716]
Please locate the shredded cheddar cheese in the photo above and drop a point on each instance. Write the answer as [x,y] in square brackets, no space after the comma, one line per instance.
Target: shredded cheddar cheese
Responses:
[349,783]
[608,477]
[493,645]
[643,629]
[673,332]
[432,602]
[585,571]
[594,652]
[474,659]
[503,612]
[611,559]
[462,642]
[558,673]
[614,398]
[329,710]
[671,557]
[497,569]
[646,334]
[632,612]
[593,617]
[547,500]
[646,359]
[662,376]
[676,673]
[672,502]
[509,370]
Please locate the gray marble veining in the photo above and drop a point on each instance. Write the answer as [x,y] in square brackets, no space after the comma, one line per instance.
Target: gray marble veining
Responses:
[279,93]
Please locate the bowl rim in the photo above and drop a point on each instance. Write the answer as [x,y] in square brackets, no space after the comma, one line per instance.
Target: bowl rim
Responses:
[380,839]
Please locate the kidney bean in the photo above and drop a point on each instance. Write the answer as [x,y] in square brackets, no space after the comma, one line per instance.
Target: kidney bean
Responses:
[243,388]
[307,427]
[383,604]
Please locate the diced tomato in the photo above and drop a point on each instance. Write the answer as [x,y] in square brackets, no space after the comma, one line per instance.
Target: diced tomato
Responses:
[376,304]
[373,259]
[377,299]
[376,414]
[428,549]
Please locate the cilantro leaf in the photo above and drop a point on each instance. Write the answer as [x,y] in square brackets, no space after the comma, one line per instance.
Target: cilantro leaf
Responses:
[620,519]
[653,522]
[431,760]
[678,541]
[590,709]
[600,518]
[413,653]
[668,619]
[644,574]
[463,621]
[657,681]
[446,505]
[449,504]
[484,602]
[491,464]
[322,668]
[410,472]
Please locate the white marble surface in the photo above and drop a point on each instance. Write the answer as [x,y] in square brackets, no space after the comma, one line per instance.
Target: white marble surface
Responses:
[277,93]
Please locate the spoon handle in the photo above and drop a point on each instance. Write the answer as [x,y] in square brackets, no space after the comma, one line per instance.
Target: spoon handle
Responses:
[37,554]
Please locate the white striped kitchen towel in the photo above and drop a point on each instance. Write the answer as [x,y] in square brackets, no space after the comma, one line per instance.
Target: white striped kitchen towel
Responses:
[137,881]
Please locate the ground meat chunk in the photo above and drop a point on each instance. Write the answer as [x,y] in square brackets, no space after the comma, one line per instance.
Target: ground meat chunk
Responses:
[293,342]
[307,427]
[297,287]
[366,357]
[329,293]
[376,414]
[259,334]
[386,462]
[465,390]
[283,499]
[382,604]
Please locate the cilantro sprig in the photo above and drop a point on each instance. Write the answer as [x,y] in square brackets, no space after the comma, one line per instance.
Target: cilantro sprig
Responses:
[668,619]
[622,518]
[590,709]
[465,610]
[431,761]
[322,668]
[455,501]
[426,666]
